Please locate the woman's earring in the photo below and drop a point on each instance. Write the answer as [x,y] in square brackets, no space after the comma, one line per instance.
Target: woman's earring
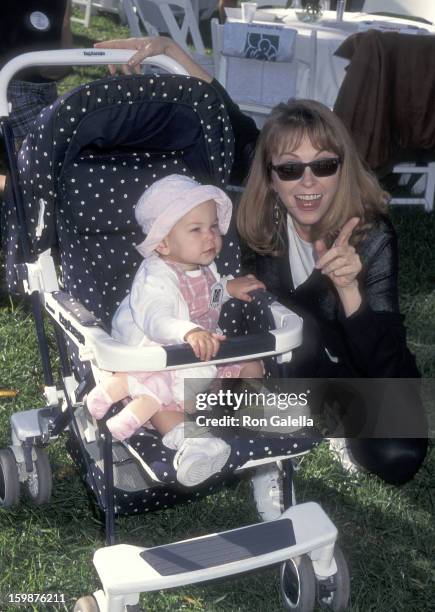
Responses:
[276,210]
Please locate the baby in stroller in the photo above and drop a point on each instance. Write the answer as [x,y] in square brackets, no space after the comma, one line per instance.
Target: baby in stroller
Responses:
[176,297]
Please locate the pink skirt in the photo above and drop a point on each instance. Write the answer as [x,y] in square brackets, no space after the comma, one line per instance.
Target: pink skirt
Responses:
[159,385]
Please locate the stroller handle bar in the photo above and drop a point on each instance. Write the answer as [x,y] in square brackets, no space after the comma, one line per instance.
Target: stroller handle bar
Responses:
[75,57]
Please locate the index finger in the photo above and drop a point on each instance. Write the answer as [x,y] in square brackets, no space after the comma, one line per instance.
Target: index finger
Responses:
[346,232]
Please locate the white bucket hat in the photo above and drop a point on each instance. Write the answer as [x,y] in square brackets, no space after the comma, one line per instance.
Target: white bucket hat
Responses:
[163,204]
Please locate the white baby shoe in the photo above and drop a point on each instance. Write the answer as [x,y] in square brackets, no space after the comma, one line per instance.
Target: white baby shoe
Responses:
[197,458]
[200,458]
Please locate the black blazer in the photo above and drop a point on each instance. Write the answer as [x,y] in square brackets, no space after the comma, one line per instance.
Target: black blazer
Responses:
[369,343]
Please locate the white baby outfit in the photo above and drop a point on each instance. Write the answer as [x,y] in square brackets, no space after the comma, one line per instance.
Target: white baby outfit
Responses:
[164,304]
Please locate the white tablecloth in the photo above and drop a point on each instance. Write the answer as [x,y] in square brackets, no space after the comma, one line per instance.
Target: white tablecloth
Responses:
[330,70]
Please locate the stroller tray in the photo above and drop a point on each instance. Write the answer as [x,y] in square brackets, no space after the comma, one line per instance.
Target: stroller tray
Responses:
[220,548]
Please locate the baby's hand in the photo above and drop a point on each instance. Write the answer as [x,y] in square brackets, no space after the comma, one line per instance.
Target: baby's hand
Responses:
[240,287]
[205,345]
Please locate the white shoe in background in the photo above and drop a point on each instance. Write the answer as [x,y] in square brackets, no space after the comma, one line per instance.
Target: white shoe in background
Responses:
[340,448]
[268,494]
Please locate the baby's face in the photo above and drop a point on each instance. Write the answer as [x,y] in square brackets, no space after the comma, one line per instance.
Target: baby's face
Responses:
[195,239]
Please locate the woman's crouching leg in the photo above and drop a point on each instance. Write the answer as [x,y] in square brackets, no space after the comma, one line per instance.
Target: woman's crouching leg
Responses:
[395,460]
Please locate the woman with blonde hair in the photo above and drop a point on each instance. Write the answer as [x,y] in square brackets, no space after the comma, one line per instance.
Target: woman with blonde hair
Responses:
[308,202]
[314,216]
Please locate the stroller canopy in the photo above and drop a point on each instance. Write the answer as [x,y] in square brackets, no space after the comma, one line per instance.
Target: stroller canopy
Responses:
[89,158]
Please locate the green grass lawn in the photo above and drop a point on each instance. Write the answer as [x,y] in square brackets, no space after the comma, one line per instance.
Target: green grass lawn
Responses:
[387,533]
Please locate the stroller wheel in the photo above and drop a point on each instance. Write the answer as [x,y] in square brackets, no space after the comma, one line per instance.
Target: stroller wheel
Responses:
[38,484]
[9,480]
[86,604]
[333,593]
[298,584]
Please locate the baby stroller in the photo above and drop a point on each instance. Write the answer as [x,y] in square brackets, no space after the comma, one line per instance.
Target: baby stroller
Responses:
[71,194]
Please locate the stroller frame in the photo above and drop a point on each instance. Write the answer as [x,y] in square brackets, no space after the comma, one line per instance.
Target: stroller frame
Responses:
[302,529]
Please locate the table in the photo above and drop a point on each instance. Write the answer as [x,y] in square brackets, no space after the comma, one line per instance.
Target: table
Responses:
[330,69]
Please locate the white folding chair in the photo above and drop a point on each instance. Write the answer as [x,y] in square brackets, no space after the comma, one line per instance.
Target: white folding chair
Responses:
[423,191]
[423,9]
[174,17]
[87,6]
[297,77]
[137,24]
[111,6]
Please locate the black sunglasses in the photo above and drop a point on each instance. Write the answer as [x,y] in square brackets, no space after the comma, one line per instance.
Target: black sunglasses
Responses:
[292,171]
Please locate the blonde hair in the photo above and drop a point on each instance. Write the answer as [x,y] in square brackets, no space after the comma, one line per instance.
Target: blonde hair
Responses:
[261,217]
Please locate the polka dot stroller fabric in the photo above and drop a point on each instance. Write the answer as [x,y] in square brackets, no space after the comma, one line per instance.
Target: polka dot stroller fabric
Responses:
[81,170]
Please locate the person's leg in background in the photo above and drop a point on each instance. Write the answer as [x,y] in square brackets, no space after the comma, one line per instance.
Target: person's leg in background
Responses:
[28,93]
[222,5]
[387,453]
[398,431]
[27,99]
[395,460]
